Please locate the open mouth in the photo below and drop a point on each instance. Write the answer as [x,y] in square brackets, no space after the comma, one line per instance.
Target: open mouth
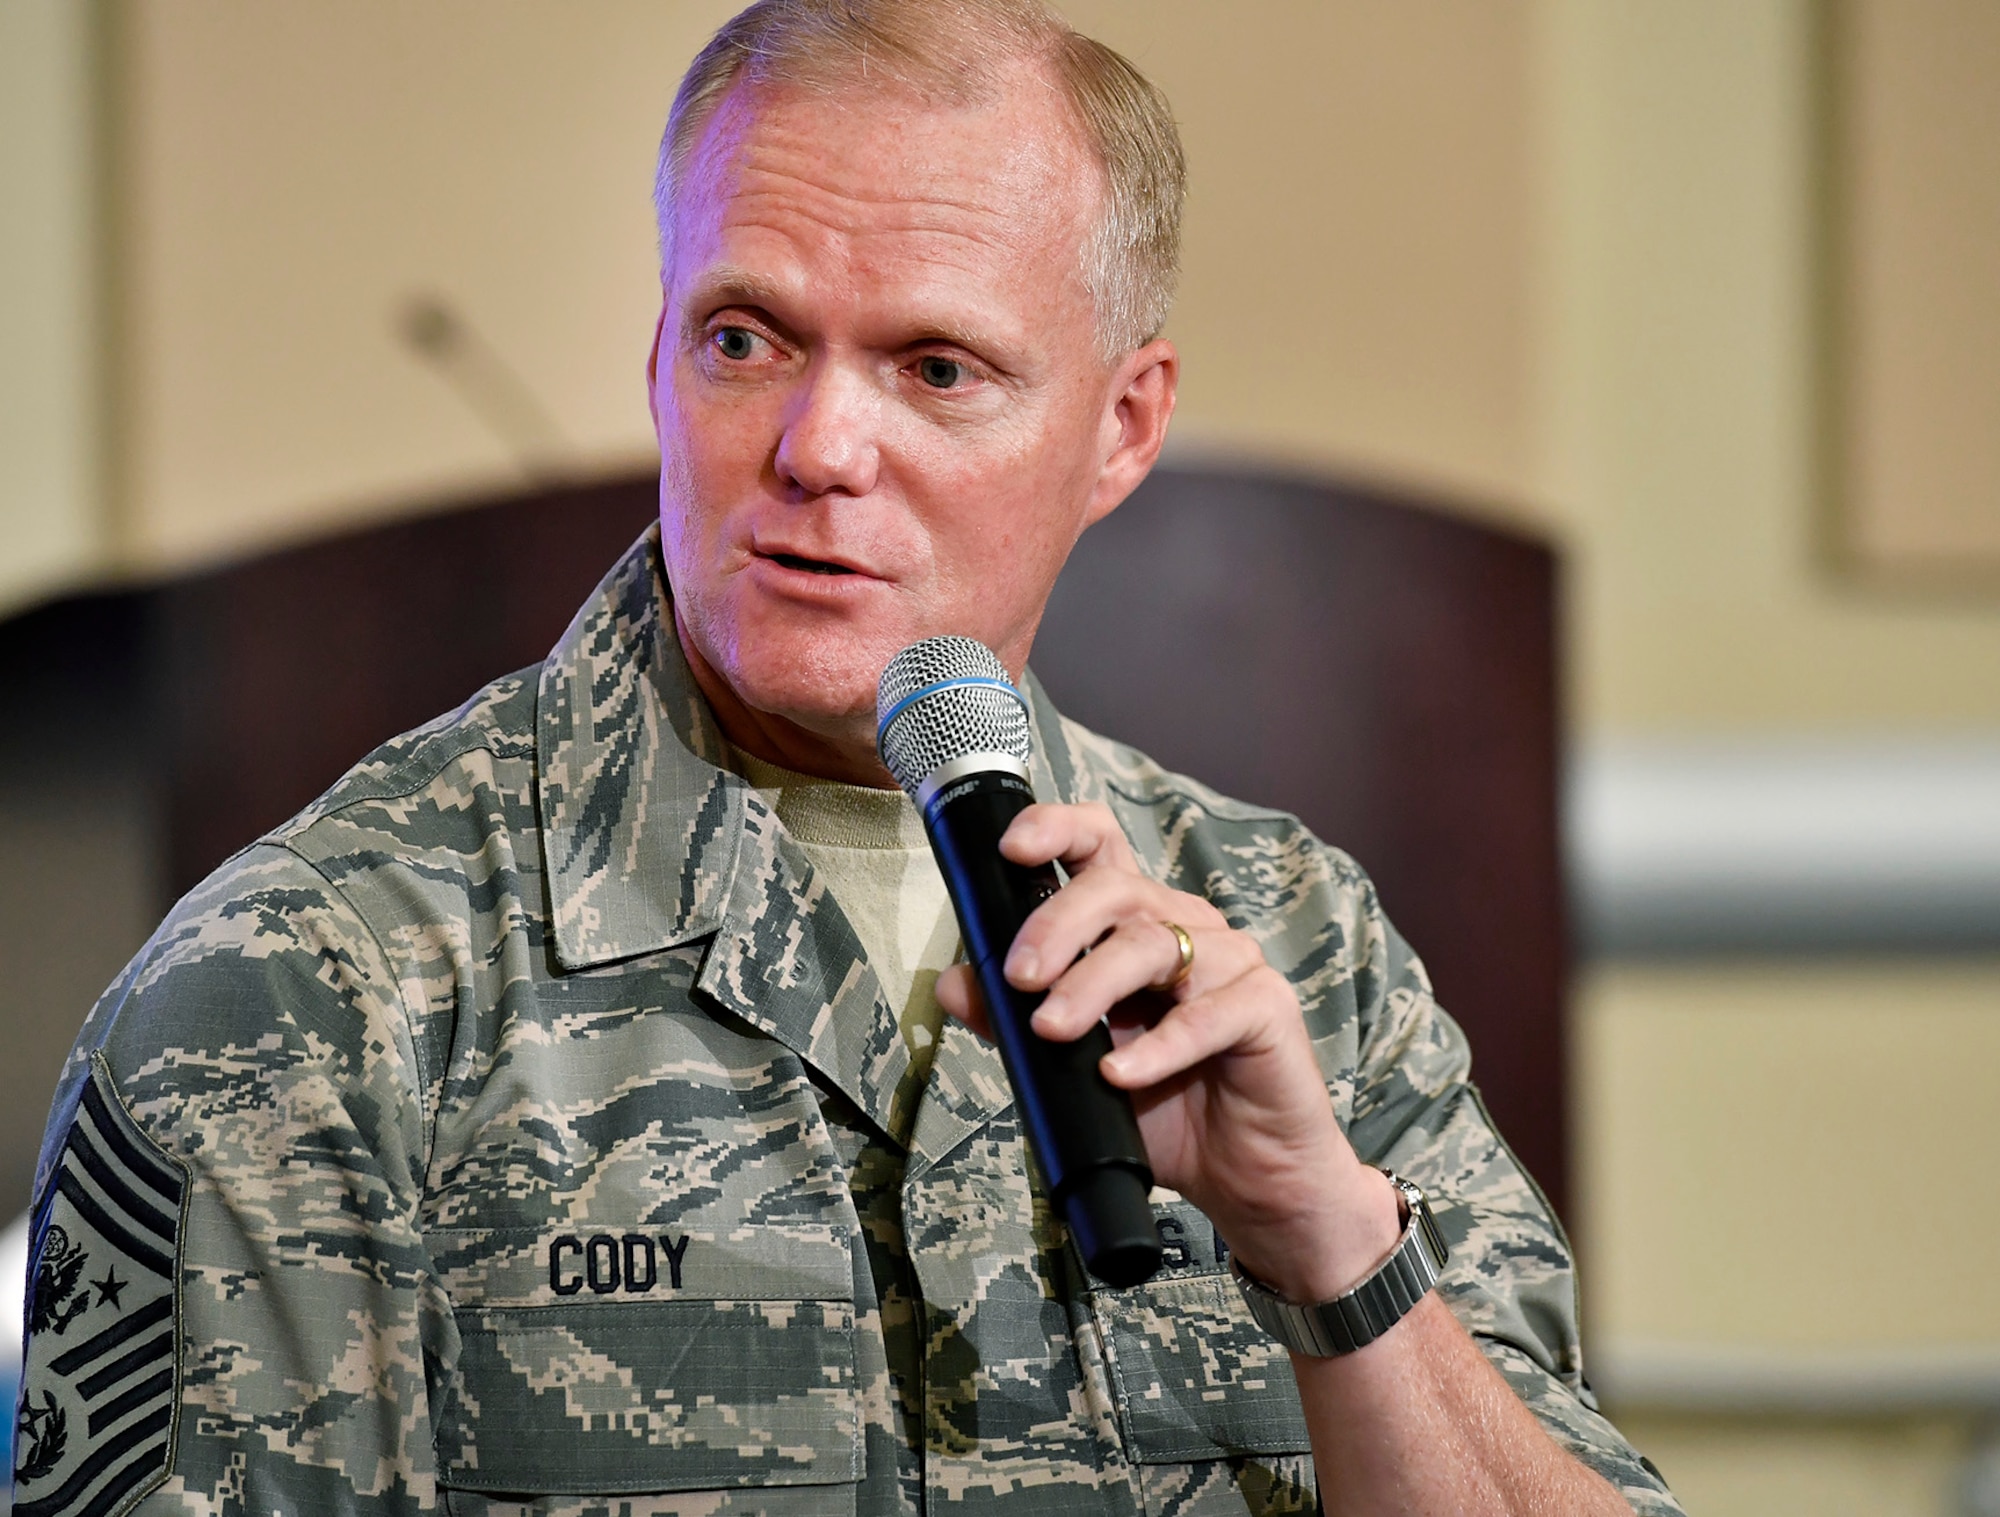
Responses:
[808,565]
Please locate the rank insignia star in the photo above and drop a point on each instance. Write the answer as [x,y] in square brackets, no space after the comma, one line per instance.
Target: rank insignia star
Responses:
[108,1288]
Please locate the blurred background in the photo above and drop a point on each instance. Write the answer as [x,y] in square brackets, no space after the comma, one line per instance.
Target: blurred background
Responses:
[1706,294]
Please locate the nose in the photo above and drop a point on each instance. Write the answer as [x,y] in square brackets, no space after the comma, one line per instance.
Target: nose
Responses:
[830,443]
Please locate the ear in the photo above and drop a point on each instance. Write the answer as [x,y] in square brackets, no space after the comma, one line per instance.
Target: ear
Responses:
[653,365]
[1134,427]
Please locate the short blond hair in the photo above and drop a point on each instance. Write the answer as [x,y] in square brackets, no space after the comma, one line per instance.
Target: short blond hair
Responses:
[953,51]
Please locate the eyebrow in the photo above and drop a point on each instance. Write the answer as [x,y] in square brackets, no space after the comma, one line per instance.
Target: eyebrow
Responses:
[969,338]
[726,285]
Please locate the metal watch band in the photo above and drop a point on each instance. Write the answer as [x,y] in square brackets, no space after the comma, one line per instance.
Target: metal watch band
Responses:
[1362,1315]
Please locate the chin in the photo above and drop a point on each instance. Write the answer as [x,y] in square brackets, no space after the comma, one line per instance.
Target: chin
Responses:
[818,680]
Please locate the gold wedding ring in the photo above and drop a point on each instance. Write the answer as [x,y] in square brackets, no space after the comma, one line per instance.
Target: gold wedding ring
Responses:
[1186,965]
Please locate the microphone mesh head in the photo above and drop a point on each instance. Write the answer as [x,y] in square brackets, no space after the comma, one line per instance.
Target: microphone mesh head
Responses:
[976,710]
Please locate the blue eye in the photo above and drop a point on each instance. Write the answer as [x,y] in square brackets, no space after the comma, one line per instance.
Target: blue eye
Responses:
[734,342]
[940,373]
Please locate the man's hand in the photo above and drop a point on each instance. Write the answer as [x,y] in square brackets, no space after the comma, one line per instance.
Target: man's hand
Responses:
[1236,1116]
[1231,1102]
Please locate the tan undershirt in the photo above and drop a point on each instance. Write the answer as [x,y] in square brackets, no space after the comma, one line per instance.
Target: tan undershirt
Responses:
[870,849]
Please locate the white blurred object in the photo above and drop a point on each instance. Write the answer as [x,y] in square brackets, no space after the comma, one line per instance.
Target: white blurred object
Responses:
[1820,846]
[13,1294]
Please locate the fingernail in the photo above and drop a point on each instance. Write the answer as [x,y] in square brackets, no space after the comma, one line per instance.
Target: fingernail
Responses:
[1115,1064]
[1022,964]
[1044,1019]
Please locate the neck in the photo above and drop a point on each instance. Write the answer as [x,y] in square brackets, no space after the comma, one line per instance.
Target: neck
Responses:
[845,752]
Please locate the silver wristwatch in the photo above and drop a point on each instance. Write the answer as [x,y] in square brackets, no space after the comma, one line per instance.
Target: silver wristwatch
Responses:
[1362,1315]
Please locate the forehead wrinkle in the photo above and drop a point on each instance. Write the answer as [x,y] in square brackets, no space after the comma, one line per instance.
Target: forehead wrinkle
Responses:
[876,235]
[862,204]
[847,217]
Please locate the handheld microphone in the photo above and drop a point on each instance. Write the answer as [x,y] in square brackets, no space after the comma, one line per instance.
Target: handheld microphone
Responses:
[953,730]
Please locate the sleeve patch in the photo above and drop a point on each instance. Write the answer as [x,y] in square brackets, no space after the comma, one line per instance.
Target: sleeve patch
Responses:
[99,1388]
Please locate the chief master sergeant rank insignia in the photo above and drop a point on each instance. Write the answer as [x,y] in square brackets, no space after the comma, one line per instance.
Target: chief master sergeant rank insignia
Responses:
[94,1430]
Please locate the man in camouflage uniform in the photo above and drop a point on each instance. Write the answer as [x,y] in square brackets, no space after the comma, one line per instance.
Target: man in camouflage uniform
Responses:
[524,1127]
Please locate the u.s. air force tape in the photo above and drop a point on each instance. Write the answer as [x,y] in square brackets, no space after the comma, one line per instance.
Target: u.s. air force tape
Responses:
[99,1388]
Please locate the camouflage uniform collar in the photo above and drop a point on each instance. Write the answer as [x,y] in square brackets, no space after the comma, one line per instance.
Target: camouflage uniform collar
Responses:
[1053,767]
[642,825]
[652,842]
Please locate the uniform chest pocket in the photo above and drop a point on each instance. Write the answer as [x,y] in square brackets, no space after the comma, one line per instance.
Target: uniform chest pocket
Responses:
[611,1362]
[1207,1404]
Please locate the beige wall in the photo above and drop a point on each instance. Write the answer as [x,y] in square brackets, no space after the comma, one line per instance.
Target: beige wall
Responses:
[1771,1144]
[51,526]
[1556,255]
[1679,429]
[1360,232]
[1766,1154]
[1730,1468]
[1917,178]
[293,175]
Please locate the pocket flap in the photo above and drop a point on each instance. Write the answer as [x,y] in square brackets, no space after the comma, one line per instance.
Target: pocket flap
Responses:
[584,1369]
[1194,1376]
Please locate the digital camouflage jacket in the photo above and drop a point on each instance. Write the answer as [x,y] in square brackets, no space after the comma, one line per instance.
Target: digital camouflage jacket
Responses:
[520,1129]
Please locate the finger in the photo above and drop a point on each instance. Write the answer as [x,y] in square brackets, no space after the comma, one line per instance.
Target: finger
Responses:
[1077,837]
[1083,911]
[1140,955]
[959,996]
[1239,1017]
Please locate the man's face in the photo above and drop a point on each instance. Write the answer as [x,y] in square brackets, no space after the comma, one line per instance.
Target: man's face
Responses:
[882,410]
